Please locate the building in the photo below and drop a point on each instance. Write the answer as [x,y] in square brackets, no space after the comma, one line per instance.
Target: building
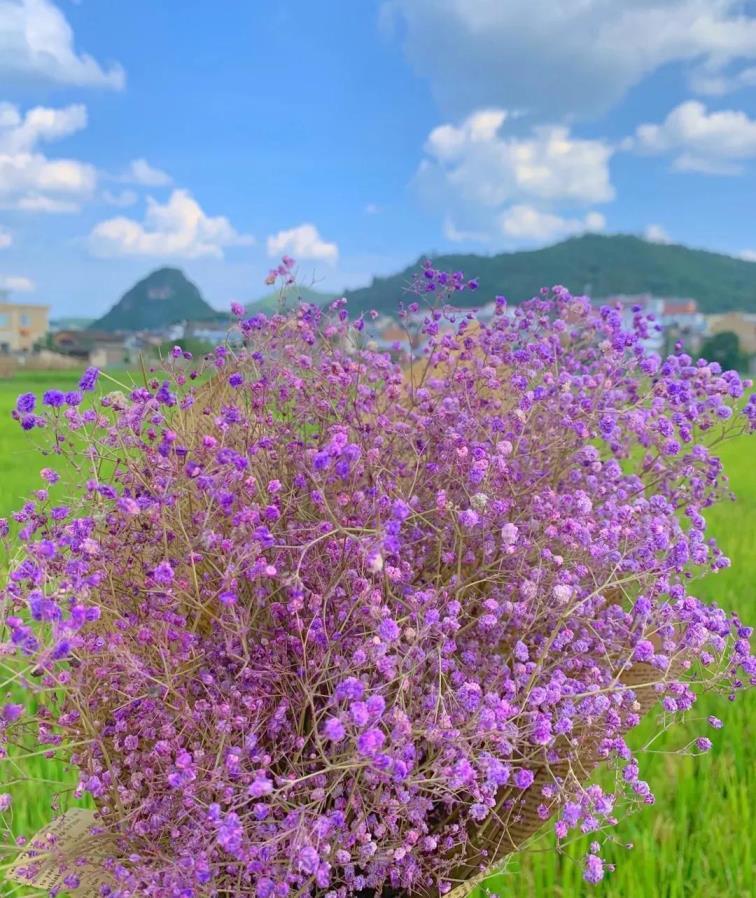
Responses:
[741,323]
[683,321]
[22,325]
[100,348]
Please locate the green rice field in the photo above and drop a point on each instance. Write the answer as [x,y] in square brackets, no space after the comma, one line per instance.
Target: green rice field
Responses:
[698,841]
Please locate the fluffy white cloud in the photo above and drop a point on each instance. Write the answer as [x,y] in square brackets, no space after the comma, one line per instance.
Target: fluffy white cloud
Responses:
[710,142]
[19,134]
[28,179]
[141,172]
[749,255]
[16,283]
[36,42]
[564,58]
[6,238]
[178,228]
[526,223]
[303,242]
[483,166]
[655,233]
[473,170]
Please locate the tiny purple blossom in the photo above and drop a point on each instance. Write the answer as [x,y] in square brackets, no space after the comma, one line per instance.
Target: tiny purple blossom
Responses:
[53,398]
[523,778]
[389,630]
[308,860]
[26,402]
[89,379]
[333,729]
[164,573]
[371,741]
[593,871]
[11,712]
[469,518]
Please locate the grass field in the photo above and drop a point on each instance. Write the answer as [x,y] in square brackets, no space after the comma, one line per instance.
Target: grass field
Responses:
[698,841]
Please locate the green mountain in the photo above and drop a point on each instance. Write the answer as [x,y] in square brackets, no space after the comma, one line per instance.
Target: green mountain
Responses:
[162,298]
[595,264]
[271,301]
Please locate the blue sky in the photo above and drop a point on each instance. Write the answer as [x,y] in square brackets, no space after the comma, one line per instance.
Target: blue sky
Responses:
[358,134]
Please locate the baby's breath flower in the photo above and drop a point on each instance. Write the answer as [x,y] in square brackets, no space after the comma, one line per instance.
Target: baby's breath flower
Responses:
[308,617]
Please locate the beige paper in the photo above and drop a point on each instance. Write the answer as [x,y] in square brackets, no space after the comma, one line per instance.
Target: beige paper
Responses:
[49,857]
[506,831]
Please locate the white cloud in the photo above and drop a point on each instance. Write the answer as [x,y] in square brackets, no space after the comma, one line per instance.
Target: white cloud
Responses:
[37,43]
[179,228]
[749,255]
[17,283]
[715,83]
[19,134]
[6,238]
[47,204]
[709,142]
[28,179]
[527,223]
[141,172]
[372,209]
[303,242]
[473,171]
[483,166]
[122,198]
[655,233]
[564,58]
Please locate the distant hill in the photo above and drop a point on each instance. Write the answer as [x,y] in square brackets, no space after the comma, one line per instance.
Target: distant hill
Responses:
[162,298]
[271,301]
[595,264]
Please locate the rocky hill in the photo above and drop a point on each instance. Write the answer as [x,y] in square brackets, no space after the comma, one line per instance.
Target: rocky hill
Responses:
[162,298]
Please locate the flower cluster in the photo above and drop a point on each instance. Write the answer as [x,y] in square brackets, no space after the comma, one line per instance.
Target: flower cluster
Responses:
[314,626]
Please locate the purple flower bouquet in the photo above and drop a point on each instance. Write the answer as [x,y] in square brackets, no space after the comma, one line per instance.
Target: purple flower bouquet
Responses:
[314,620]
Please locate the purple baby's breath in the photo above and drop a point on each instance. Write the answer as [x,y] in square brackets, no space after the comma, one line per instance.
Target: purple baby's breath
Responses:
[89,379]
[53,398]
[334,729]
[302,638]
[523,778]
[164,573]
[594,869]
[26,402]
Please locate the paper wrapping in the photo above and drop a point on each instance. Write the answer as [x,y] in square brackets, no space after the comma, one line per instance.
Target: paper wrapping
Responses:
[49,856]
[506,830]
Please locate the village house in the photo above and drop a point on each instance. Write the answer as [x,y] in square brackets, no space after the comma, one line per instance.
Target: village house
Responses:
[22,325]
[102,349]
[741,323]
